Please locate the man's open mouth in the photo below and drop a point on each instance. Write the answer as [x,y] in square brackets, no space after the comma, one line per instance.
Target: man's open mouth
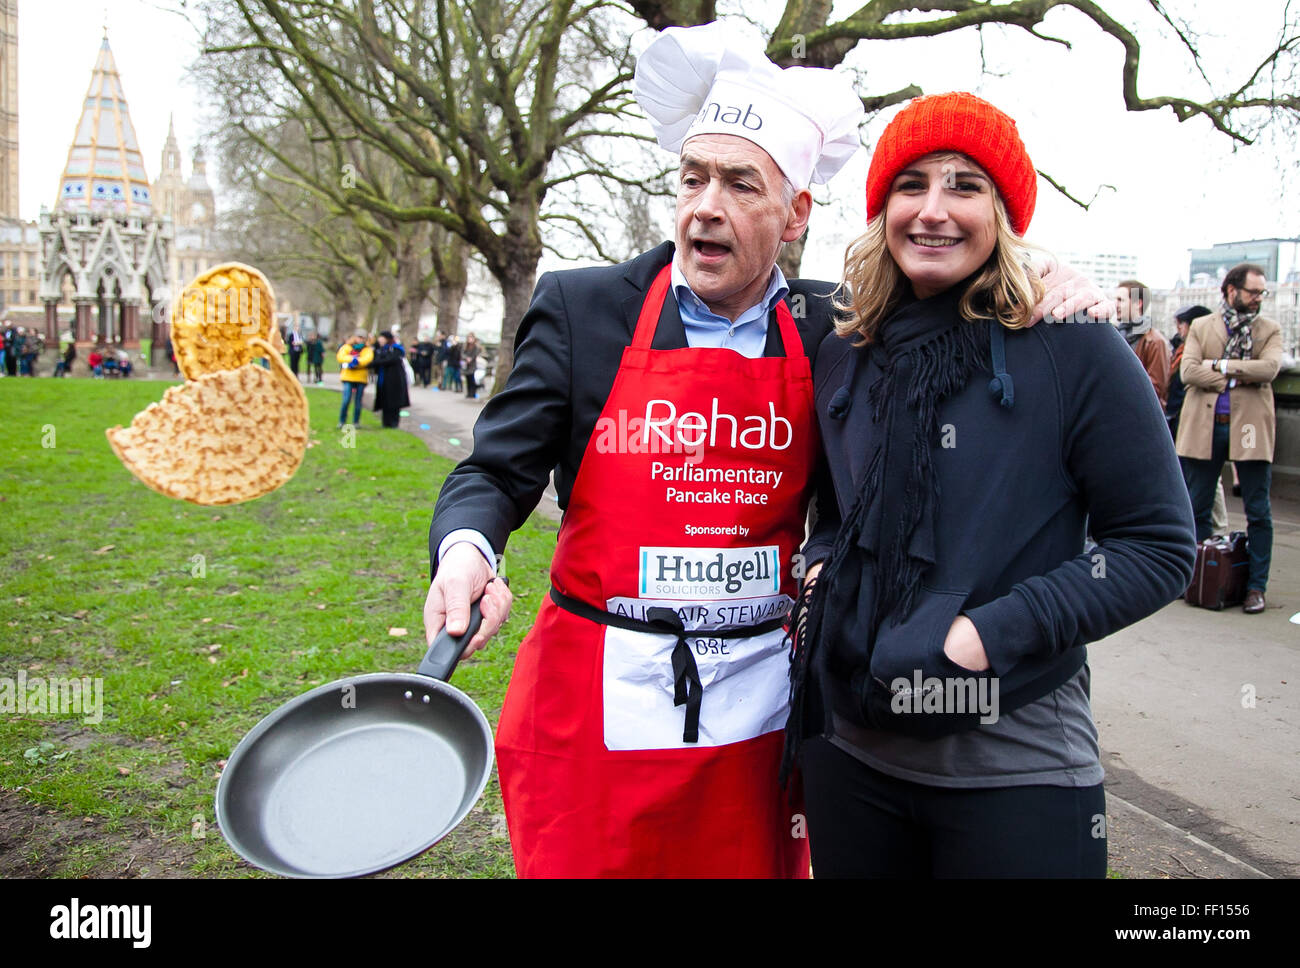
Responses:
[710,249]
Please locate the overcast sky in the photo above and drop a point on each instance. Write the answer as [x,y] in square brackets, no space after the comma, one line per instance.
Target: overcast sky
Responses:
[1177,185]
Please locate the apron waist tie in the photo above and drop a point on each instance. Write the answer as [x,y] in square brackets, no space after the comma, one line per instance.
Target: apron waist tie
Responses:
[687,689]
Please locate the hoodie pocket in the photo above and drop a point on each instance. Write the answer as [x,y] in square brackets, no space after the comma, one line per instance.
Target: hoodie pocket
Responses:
[912,686]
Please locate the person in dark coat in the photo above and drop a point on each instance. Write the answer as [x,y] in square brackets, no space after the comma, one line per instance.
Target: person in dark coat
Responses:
[296,344]
[940,685]
[315,356]
[424,351]
[11,344]
[1177,391]
[390,379]
[442,346]
[18,352]
[33,347]
[469,363]
[451,373]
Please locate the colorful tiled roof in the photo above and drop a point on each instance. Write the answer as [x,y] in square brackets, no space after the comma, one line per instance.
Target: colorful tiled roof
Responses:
[105,169]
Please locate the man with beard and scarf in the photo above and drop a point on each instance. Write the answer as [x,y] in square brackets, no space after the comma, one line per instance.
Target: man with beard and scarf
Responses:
[1132,299]
[1229,362]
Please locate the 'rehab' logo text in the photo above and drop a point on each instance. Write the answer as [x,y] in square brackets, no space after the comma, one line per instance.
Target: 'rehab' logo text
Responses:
[730,114]
[102,921]
[692,429]
[709,572]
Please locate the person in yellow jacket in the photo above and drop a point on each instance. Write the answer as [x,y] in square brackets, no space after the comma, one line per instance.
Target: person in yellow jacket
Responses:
[354,359]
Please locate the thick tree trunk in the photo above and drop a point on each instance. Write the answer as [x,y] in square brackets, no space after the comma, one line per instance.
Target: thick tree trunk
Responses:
[379,301]
[408,312]
[517,290]
[517,275]
[451,264]
[449,299]
[411,293]
[344,323]
[345,316]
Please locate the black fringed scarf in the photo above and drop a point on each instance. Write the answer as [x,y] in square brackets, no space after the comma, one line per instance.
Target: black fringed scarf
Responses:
[886,543]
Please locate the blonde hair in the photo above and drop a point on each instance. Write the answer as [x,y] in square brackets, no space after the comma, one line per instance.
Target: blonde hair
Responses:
[1006,288]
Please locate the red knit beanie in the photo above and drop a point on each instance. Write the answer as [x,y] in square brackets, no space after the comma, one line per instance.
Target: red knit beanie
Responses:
[956,122]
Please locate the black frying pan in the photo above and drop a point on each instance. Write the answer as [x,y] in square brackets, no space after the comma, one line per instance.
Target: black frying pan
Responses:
[361,774]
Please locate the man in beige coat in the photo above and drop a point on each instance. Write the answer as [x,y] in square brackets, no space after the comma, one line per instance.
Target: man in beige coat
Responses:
[1229,362]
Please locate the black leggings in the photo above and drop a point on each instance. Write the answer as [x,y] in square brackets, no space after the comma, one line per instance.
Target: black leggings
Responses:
[862,823]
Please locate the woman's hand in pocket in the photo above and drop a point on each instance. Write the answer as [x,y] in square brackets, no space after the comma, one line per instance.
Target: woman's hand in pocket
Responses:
[964,646]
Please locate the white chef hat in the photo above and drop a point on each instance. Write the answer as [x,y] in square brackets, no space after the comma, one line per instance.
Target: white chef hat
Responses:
[707,80]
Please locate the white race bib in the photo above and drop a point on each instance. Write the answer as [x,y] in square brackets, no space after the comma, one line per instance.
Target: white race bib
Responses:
[746,689]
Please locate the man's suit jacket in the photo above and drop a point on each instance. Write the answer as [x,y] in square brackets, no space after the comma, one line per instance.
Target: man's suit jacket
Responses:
[1253,420]
[567,352]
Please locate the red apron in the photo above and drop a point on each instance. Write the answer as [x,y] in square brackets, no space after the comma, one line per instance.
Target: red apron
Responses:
[691,496]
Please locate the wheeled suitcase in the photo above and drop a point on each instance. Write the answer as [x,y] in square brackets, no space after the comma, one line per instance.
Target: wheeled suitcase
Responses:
[1219,577]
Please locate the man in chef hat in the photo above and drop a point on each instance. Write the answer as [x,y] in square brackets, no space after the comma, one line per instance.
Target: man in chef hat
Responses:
[729,111]
[671,396]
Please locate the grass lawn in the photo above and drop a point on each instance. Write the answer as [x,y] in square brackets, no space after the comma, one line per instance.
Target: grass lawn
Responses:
[202,620]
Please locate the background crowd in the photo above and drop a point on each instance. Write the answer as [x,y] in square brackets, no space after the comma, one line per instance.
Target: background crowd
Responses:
[1214,382]
[19,349]
[448,364]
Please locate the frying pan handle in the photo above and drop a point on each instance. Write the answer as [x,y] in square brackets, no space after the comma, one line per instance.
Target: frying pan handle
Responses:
[440,661]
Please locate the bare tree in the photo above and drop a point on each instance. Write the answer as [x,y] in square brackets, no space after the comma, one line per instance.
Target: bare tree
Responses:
[282,230]
[471,99]
[807,33]
[302,158]
[499,114]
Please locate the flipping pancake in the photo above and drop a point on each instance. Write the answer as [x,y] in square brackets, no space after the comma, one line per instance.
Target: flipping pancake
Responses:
[222,438]
[216,316]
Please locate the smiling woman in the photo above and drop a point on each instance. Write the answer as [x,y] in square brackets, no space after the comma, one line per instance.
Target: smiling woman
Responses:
[940,677]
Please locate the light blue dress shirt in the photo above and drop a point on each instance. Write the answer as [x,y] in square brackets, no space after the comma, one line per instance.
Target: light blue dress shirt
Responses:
[747,335]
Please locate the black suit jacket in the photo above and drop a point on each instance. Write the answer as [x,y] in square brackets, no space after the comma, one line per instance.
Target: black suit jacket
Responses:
[567,352]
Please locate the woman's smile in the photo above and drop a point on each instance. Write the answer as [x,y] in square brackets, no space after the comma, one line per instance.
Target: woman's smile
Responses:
[934,241]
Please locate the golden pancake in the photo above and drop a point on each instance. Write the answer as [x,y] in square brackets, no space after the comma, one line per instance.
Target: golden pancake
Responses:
[222,438]
[217,314]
